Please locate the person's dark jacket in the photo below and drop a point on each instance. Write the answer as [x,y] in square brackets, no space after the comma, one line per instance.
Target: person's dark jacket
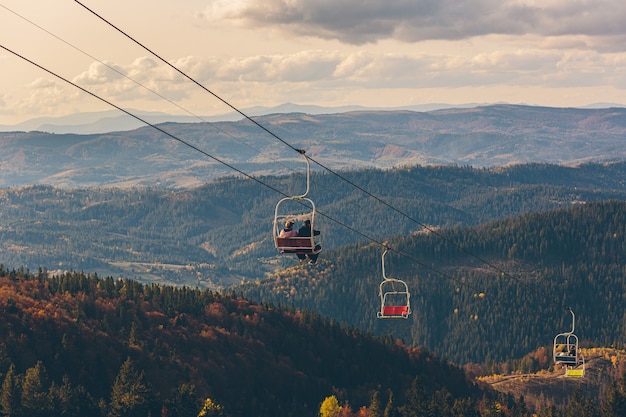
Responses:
[305,231]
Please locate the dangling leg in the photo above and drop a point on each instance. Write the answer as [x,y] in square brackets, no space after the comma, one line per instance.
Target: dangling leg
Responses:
[313,257]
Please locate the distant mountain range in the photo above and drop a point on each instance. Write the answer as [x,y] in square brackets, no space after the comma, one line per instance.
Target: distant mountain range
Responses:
[116,121]
[484,136]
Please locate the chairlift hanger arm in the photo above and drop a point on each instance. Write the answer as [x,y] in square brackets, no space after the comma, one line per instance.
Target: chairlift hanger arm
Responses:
[308,174]
[573,319]
[383,261]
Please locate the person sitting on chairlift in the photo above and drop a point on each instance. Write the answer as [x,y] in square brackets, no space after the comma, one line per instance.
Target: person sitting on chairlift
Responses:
[288,231]
[305,231]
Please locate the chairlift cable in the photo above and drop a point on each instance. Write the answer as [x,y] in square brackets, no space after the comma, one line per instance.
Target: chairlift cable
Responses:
[236,169]
[187,76]
[112,68]
[225,163]
[380,200]
[504,273]
[194,147]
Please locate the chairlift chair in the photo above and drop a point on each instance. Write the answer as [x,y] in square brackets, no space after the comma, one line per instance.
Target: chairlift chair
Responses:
[306,210]
[565,352]
[395,299]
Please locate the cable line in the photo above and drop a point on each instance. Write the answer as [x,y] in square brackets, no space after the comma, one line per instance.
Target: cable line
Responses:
[112,68]
[186,76]
[229,165]
[380,200]
[140,119]
[234,108]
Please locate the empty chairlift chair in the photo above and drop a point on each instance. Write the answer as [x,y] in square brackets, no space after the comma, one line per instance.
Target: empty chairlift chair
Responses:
[395,299]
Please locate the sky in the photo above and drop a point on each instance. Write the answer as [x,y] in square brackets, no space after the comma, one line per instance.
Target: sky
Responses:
[374,53]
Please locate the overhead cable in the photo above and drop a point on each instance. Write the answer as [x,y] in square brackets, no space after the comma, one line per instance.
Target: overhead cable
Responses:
[223,162]
[380,200]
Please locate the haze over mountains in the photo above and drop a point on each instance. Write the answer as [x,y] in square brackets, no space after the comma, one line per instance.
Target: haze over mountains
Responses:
[496,135]
[115,120]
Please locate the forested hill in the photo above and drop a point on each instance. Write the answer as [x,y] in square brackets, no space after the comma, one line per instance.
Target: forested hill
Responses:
[220,234]
[76,345]
[492,292]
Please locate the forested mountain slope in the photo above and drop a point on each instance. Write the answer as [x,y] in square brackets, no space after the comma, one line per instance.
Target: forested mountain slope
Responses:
[220,234]
[491,292]
[77,345]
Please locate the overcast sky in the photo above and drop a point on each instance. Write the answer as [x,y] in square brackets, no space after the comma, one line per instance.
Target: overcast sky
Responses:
[392,53]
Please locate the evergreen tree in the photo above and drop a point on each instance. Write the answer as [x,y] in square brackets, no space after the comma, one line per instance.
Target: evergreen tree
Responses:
[548,411]
[130,396]
[614,403]
[70,401]
[10,404]
[375,408]
[464,408]
[579,406]
[184,402]
[35,394]
[416,404]
[390,408]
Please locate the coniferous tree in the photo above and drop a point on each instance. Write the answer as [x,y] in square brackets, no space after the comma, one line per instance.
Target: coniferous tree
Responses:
[130,396]
[71,401]
[579,406]
[416,404]
[464,408]
[548,411]
[35,394]
[390,408]
[10,397]
[375,407]
[614,403]
[184,402]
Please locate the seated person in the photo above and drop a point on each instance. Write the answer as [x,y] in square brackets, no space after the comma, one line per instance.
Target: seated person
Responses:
[288,230]
[305,231]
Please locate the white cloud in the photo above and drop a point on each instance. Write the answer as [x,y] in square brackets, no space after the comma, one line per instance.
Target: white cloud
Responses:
[42,83]
[98,73]
[362,69]
[45,96]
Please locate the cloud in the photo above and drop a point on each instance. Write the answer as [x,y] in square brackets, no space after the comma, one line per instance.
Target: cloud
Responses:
[42,83]
[99,73]
[368,21]
[362,69]
[144,78]
[45,96]
[337,75]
